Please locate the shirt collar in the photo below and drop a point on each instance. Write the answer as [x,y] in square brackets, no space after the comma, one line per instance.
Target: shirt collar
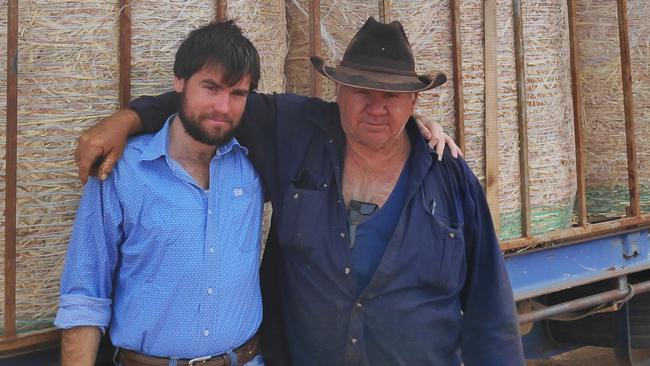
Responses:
[159,145]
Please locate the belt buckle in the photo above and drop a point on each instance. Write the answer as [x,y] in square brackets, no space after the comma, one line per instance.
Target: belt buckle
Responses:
[199,359]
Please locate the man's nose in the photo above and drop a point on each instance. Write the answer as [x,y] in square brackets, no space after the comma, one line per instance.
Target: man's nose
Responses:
[376,107]
[220,104]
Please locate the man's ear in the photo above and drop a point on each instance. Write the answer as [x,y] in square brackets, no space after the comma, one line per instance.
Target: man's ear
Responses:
[178,84]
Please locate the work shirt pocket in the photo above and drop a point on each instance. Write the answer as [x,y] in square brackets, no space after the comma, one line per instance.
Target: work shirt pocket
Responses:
[304,214]
[442,263]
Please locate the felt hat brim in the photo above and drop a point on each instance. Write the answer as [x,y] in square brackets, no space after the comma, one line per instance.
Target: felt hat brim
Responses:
[375,80]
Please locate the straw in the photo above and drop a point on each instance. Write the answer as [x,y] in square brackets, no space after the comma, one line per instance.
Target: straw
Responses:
[604,121]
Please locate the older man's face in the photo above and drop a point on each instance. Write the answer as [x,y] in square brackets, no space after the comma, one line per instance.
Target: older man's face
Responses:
[373,118]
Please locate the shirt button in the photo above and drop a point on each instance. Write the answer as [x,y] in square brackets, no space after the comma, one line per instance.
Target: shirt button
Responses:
[342,235]
[347,270]
[209,212]
[331,141]
[210,290]
[359,305]
[353,340]
[206,332]
[452,235]
[296,196]
[211,249]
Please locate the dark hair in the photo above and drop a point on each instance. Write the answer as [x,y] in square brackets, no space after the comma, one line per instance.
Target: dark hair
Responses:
[221,44]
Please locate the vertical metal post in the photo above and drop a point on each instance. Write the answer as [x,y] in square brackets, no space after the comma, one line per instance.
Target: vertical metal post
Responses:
[11,171]
[384,10]
[222,9]
[628,104]
[125,53]
[315,45]
[522,117]
[459,101]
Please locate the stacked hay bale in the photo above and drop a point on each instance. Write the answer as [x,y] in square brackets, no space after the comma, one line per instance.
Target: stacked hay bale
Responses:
[604,117]
[550,114]
[472,43]
[67,79]
[158,28]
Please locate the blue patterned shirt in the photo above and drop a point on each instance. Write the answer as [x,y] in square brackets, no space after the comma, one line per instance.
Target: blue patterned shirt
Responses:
[171,268]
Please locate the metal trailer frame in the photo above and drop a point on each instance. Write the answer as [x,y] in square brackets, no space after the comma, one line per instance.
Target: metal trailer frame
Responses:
[624,241]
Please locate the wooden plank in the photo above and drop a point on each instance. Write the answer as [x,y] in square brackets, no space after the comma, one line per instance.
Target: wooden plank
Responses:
[628,103]
[459,101]
[491,123]
[315,46]
[577,115]
[222,9]
[11,161]
[520,66]
[384,10]
[29,341]
[125,53]
[579,233]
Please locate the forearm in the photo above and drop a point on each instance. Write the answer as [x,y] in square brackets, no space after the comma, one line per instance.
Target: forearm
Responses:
[79,346]
[127,120]
[153,111]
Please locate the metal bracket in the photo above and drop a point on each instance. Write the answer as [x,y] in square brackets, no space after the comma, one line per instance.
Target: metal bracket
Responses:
[630,245]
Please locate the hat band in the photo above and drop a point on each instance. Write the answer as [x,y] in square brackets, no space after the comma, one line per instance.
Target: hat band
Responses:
[386,70]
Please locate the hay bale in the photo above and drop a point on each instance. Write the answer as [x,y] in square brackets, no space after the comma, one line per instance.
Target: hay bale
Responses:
[427,24]
[153,51]
[550,115]
[604,117]
[265,24]
[158,28]
[67,79]
[340,20]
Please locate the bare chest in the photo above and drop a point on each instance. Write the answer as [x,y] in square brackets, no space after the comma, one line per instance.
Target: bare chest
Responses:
[367,186]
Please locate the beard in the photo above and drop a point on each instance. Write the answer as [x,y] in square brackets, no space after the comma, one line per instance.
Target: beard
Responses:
[201,134]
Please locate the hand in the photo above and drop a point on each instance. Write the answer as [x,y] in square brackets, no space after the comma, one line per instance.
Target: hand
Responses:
[100,146]
[437,138]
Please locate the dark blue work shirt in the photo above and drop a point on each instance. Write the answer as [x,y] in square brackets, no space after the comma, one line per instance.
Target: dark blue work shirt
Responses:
[441,288]
[374,234]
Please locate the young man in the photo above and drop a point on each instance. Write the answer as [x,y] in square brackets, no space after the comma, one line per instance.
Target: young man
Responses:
[165,252]
[383,255]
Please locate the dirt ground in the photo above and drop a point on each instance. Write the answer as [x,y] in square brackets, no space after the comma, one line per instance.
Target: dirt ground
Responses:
[587,356]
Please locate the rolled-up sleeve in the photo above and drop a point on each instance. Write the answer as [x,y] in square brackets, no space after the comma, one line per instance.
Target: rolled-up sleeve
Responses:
[86,281]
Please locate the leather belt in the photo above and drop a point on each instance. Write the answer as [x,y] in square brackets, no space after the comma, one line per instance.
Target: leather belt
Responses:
[244,353]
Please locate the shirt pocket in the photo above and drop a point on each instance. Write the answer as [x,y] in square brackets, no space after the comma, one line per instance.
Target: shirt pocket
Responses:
[244,215]
[304,214]
[442,263]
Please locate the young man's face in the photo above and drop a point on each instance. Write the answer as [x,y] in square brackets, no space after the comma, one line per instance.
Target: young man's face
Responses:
[373,118]
[211,110]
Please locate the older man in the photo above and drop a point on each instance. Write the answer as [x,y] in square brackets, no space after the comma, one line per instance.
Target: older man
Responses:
[384,255]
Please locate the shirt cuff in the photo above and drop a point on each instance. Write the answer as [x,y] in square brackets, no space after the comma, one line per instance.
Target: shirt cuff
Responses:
[80,310]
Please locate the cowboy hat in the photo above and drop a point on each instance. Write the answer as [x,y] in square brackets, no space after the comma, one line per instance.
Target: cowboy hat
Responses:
[379,57]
